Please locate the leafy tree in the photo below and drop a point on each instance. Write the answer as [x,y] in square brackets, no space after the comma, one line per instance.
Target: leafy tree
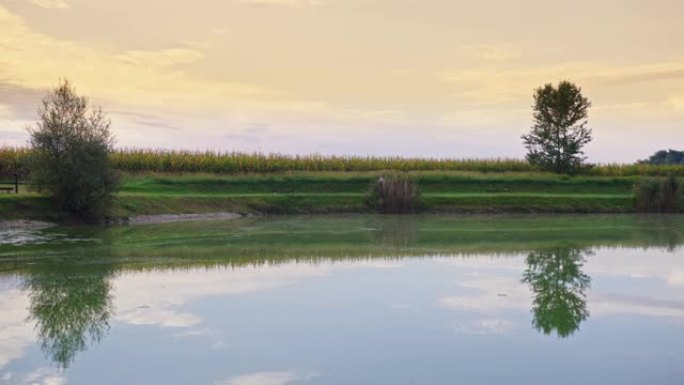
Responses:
[71,143]
[560,128]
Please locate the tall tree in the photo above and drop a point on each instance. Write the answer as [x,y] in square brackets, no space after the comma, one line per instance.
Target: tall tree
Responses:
[560,128]
[70,144]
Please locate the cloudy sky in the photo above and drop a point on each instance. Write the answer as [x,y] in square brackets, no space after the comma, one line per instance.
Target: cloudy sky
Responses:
[406,77]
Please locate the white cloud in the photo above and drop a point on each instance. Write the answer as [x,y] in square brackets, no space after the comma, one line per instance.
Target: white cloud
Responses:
[488,52]
[139,80]
[51,4]
[676,103]
[161,58]
[496,84]
[287,3]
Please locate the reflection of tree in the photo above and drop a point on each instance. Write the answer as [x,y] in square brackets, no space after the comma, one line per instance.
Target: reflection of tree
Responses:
[558,283]
[395,230]
[664,231]
[71,306]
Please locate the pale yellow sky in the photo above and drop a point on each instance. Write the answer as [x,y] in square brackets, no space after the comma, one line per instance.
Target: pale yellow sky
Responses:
[406,77]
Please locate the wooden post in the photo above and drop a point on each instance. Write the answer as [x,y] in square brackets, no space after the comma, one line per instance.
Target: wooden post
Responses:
[16,176]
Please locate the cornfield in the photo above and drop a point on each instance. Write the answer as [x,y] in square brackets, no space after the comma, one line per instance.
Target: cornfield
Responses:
[182,161]
[13,159]
[212,162]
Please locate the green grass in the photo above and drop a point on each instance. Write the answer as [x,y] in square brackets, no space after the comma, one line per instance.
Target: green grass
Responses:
[341,192]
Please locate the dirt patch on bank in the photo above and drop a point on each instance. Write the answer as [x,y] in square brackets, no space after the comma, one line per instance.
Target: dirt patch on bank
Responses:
[24,224]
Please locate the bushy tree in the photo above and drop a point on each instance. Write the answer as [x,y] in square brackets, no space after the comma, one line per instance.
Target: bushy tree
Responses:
[663,157]
[71,143]
[560,128]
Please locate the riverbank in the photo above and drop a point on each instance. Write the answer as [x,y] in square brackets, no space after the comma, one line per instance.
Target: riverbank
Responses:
[345,192]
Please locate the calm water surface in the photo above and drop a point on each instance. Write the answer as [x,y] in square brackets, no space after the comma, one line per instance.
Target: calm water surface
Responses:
[346,300]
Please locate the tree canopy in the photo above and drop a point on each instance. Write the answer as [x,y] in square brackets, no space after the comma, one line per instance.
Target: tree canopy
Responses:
[560,130]
[666,157]
[71,143]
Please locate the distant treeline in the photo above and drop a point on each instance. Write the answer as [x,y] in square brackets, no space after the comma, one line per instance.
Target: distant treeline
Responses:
[666,157]
[182,161]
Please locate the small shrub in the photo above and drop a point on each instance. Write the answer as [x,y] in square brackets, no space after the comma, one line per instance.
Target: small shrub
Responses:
[396,194]
[658,195]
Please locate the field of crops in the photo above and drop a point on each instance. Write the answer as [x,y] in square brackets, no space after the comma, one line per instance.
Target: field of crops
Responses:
[179,161]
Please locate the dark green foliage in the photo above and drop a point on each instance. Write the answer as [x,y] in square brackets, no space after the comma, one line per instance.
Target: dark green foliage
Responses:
[666,158]
[69,160]
[559,131]
[558,283]
[395,194]
[658,195]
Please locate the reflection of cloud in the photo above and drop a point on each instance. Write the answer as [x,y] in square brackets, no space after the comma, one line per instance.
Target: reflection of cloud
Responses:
[490,295]
[486,326]
[160,315]
[197,333]
[214,337]
[659,264]
[15,333]
[609,304]
[44,376]
[267,378]
[40,376]
[676,278]
[155,298]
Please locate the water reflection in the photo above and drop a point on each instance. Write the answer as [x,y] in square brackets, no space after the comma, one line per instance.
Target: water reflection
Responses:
[69,283]
[71,306]
[559,286]
[395,231]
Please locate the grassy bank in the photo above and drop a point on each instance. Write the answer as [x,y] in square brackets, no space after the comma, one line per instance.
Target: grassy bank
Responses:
[328,192]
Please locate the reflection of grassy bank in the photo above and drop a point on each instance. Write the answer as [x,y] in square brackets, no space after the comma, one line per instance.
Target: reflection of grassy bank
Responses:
[307,238]
[310,192]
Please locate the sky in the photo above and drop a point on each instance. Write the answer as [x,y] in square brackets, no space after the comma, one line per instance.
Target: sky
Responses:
[438,78]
